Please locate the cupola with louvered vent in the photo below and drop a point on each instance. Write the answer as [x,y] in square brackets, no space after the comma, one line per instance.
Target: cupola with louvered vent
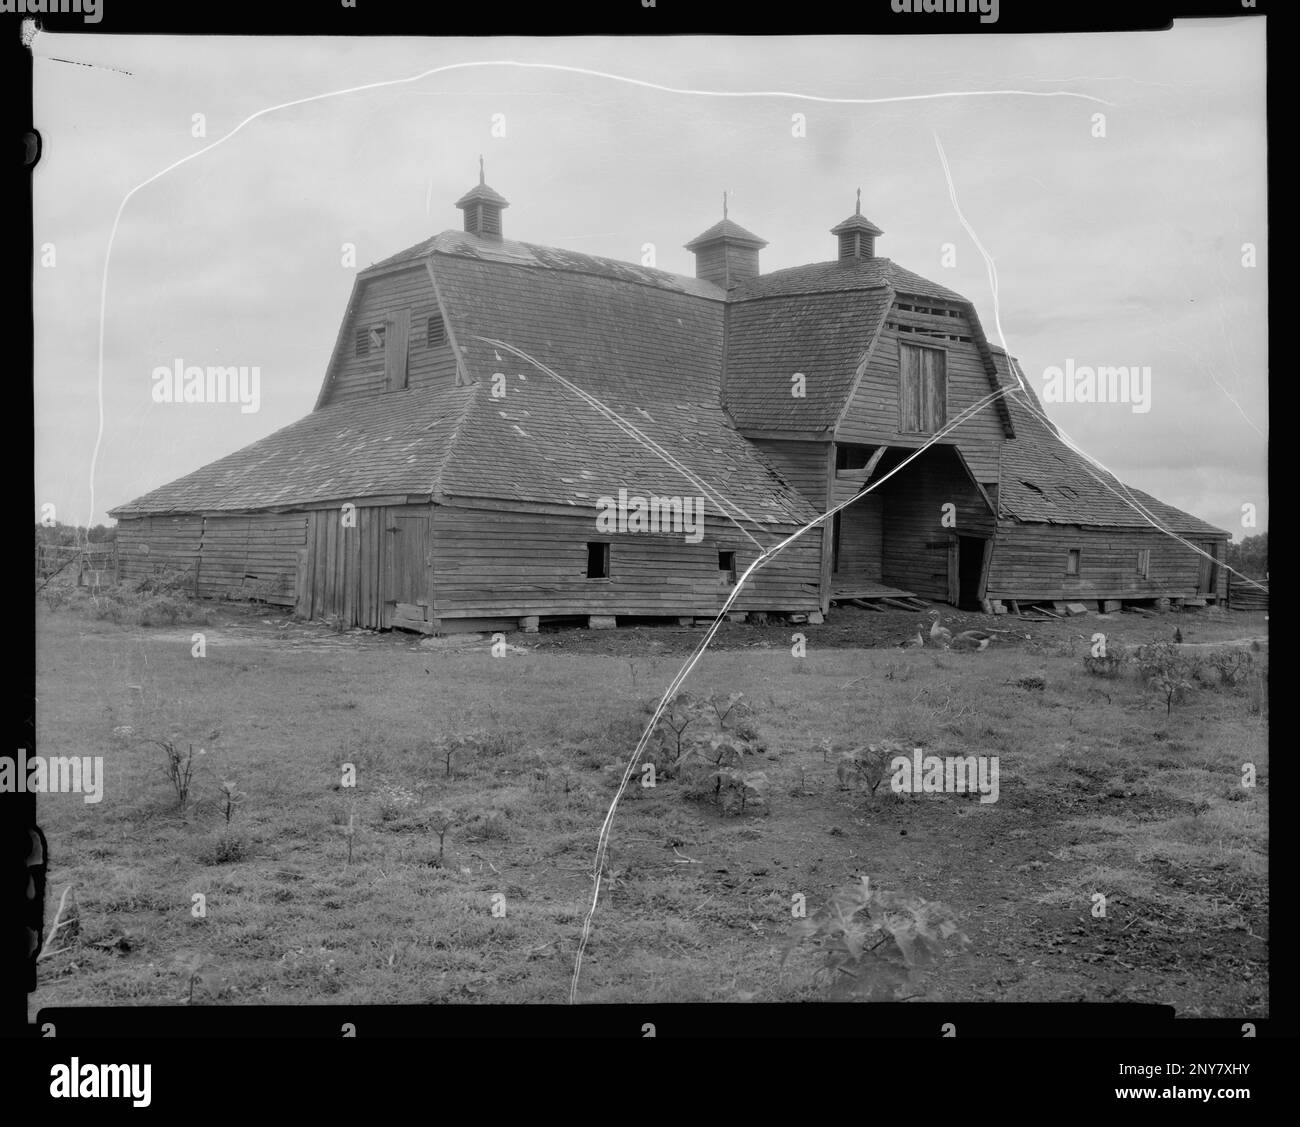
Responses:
[726,254]
[857,235]
[483,207]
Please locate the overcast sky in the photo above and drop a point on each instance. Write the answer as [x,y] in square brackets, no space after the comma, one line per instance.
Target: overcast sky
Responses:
[1125,249]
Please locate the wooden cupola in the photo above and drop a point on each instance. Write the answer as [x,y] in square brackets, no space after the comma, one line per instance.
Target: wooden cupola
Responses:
[726,254]
[483,207]
[857,235]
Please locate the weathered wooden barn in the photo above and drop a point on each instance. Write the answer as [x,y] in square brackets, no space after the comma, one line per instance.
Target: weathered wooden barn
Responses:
[485,398]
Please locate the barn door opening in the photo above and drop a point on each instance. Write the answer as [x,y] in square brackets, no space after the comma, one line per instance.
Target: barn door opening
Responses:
[1208,580]
[408,570]
[969,571]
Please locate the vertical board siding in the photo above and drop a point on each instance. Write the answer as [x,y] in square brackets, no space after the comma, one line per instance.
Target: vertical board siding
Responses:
[406,295]
[515,563]
[1029,563]
[872,415]
[861,534]
[359,573]
[915,538]
[397,346]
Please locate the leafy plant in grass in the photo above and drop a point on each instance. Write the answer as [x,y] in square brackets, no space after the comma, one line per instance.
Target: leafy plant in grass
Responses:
[868,765]
[729,707]
[875,945]
[681,712]
[715,769]
[1168,671]
[1233,666]
[1106,665]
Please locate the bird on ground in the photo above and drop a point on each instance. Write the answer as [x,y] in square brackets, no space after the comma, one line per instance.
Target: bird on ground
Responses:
[939,636]
[966,640]
[1178,635]
[916,640]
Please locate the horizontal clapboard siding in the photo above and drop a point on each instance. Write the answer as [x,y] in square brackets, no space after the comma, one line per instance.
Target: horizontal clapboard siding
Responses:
[503,564]
[872,416]
[405,293]
[238,557]
[1029,562]
[801,464]
[151,546]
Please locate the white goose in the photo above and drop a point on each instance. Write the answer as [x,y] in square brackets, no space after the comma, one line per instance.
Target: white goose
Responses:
[973,640]
[939,636]
[915,640]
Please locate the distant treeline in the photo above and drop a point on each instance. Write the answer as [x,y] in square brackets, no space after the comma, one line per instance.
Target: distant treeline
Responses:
[1250,557]
[66,535]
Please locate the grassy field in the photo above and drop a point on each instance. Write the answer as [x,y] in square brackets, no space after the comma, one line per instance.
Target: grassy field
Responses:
[1101,791]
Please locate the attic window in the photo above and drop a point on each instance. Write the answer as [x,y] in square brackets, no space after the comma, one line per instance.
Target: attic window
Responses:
[1072,562]
[437,333]
[727,567]
[597,560]
[370,338]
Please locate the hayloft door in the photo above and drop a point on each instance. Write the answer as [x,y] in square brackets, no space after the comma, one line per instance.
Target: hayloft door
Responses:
[408,570]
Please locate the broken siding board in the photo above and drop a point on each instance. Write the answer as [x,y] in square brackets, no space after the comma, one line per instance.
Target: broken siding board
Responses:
[231,557]
[802,465]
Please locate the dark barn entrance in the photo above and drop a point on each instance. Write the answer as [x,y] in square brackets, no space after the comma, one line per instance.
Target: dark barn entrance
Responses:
[970,570]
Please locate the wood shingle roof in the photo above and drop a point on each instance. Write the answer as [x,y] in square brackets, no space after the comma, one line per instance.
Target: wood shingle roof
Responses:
[823,336]
[1043,481]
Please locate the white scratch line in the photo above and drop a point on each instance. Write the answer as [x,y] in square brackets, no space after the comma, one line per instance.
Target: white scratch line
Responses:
[99,434]
[637,435]
[1027,399]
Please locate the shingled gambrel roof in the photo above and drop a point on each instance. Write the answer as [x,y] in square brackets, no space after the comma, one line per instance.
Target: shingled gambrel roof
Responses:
[462,244]
[1043,481]
[849,274]
[823,335]
[543,444]
[609,335]
[822,297]
[396,443]
[652,352]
